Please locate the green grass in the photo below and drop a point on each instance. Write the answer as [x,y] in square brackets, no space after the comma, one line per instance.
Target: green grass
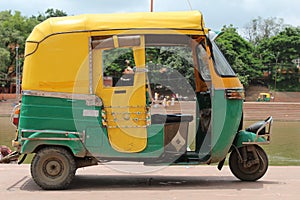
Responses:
[283,150]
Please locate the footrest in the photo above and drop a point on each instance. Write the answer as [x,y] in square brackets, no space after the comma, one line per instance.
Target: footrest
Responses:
[170,118]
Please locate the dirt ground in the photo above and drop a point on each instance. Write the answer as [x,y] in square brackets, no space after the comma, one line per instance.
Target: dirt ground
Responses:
[281,111]
[176,182]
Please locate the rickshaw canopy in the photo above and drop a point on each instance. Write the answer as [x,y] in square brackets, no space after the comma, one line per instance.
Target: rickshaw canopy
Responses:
[185,20]
[265,94]
[58,49]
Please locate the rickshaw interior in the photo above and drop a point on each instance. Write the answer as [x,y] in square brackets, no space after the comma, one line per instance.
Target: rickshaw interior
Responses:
[176,96]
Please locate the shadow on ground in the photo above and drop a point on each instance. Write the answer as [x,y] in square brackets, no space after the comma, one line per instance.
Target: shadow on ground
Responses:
[130,182]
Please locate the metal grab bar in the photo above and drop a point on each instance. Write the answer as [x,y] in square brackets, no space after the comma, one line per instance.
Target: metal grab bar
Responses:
[268,122]
[267,135]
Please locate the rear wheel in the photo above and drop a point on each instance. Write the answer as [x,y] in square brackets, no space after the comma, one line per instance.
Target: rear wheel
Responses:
[53,168]
[250,163]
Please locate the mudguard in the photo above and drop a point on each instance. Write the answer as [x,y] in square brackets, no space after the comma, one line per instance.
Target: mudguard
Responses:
[37,139]
[247,137]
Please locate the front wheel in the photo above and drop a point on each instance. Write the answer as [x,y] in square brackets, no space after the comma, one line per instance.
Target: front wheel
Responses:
[53,168]
[248,163]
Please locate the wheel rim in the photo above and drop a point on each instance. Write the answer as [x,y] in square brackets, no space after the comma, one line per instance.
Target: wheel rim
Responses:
[53,168]
[251,169]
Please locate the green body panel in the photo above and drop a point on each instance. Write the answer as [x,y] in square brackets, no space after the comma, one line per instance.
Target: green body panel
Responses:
[70,140]
[102,148]
[265,99]
[60,114]
[48,113]
[246,136]
[226,119]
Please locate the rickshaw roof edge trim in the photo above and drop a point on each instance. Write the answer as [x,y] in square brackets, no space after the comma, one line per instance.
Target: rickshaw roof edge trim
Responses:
[180,20]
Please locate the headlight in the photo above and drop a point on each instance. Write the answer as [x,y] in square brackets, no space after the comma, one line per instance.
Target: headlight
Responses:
[235,94]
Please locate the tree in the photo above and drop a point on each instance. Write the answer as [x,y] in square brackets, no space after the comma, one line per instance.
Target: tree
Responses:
[239,54]
[259,29]
[278,52]
[12,35]
[50,12]
[14,29]
[4,59]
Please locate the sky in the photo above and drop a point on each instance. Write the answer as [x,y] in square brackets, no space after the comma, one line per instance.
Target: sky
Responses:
[216,12]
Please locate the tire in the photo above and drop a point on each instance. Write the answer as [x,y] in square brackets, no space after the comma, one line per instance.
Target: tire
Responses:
[53,168]
[248,173]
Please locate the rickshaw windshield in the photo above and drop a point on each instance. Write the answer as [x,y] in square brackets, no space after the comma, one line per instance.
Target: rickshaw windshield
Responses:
[221,65]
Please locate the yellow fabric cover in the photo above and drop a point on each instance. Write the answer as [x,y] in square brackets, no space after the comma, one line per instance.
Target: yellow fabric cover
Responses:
[57,51]
[190,20]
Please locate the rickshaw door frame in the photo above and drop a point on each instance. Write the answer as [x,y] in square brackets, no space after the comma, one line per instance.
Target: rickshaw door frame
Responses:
[125,113]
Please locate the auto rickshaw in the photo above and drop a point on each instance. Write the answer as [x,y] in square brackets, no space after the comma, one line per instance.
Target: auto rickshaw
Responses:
[264,96]
[80,109]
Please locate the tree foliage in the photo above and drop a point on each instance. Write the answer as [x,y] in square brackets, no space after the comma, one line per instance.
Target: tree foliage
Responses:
[268,58]
[174,65]
[259,29]
[239,54]
[277,53]
[50,13]
[14,29]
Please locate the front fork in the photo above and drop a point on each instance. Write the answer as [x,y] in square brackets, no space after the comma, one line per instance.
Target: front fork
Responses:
[247,140]
[244,157]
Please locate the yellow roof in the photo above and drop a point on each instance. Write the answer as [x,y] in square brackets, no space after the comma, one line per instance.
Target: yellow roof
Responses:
[184,20]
